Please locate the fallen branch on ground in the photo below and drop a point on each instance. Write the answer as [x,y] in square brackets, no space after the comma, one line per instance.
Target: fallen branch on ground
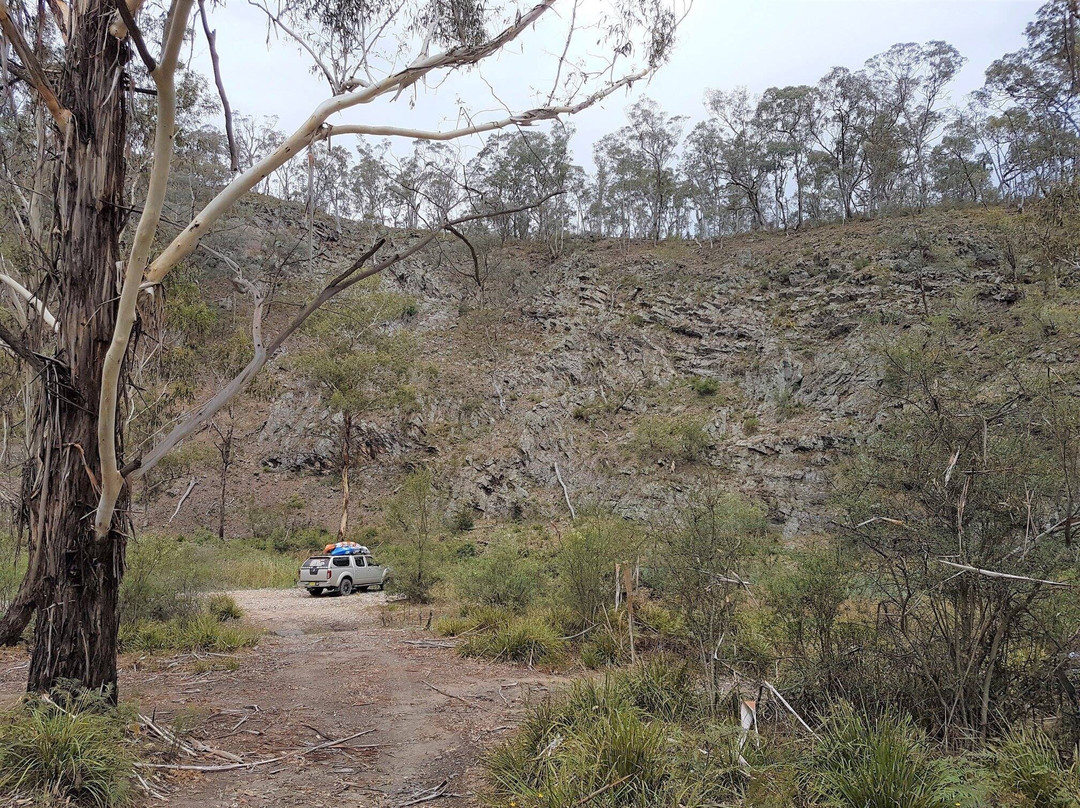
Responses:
[234,766]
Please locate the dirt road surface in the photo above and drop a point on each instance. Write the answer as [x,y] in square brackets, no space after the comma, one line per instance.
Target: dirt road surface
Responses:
[327,668]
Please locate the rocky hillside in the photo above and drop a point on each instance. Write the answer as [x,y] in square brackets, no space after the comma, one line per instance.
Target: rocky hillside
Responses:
[629,369]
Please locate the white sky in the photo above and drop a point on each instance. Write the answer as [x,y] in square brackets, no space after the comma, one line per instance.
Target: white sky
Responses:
[723,44]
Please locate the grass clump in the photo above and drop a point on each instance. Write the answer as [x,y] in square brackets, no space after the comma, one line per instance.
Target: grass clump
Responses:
[861,762]
[1026,765]
[202,632]
[68,750]
[472,619]
[223,607]
[704,386]
[601,743]
[528,639]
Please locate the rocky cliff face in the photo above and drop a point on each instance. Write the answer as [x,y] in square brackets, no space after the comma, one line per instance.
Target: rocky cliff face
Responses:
[632,370]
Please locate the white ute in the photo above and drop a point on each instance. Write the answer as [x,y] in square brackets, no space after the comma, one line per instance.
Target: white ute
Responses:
[341,573]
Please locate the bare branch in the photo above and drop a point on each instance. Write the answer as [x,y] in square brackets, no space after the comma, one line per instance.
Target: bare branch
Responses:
[276,21]
[527,118]
[1004,575]
[112,481]
[211,41]
[21,349]
[35,74]
[32,299]
[186,241]
[136,35]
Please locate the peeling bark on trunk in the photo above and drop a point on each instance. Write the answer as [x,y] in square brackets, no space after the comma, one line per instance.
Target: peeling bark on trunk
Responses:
[74,579]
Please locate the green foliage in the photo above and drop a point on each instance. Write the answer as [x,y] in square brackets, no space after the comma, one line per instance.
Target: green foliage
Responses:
[883,763]
[703,546]
[416,552]
[1026,764]
[164,579]
[586,563]
[704,386]
[200,632]
[804,597]
[224,607]
[11,568]
[979,447]
[528,639]
[671,438]
[69,749]
[482,618]
[360,362]
[166,576]
[505,574]
[613,743]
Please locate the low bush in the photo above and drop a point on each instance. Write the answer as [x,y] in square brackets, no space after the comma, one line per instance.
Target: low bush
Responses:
[704,386]
[224,607]
[1026,765]
[670,439]
[886,762]
[521,639]
[504,575]
[595,744]
[68,750]
[201,632]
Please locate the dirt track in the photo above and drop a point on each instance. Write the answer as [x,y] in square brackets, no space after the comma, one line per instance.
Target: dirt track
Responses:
[326,669]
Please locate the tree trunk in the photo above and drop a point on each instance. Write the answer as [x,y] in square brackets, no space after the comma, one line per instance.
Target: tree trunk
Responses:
[74,579]
[346,462]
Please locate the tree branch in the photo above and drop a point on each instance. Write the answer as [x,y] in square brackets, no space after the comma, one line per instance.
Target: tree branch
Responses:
[527,118]
[185,242]
[136,35]
[35,74]
[211,41]
[112,481]
[20,349]
[1004,575]
[31,298]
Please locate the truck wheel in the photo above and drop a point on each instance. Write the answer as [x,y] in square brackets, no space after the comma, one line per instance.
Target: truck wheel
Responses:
[315,592]
[345,587]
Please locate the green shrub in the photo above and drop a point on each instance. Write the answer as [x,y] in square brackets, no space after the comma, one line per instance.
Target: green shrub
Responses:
[521,639]
[201,632]
[585,564]
[504,575]
[476,618]
[70,750]
[604,648]
[670,439]
[593,744]
[883,763]
[1025,764]
[703,386]
[224,607]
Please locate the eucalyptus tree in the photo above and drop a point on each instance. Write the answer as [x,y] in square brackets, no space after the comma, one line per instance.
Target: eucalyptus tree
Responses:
[641,161]
[95,271]
[358,361]
[1032,101]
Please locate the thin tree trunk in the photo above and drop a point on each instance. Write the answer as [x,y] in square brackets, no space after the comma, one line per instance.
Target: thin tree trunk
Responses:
[73,581]
[346,462]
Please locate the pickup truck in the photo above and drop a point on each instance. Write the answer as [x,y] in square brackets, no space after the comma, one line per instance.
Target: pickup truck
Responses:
[343,574]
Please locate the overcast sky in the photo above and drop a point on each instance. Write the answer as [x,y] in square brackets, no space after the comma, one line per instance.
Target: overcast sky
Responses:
[723,44]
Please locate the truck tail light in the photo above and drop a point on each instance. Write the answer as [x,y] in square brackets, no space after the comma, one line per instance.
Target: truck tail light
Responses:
[328,573]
